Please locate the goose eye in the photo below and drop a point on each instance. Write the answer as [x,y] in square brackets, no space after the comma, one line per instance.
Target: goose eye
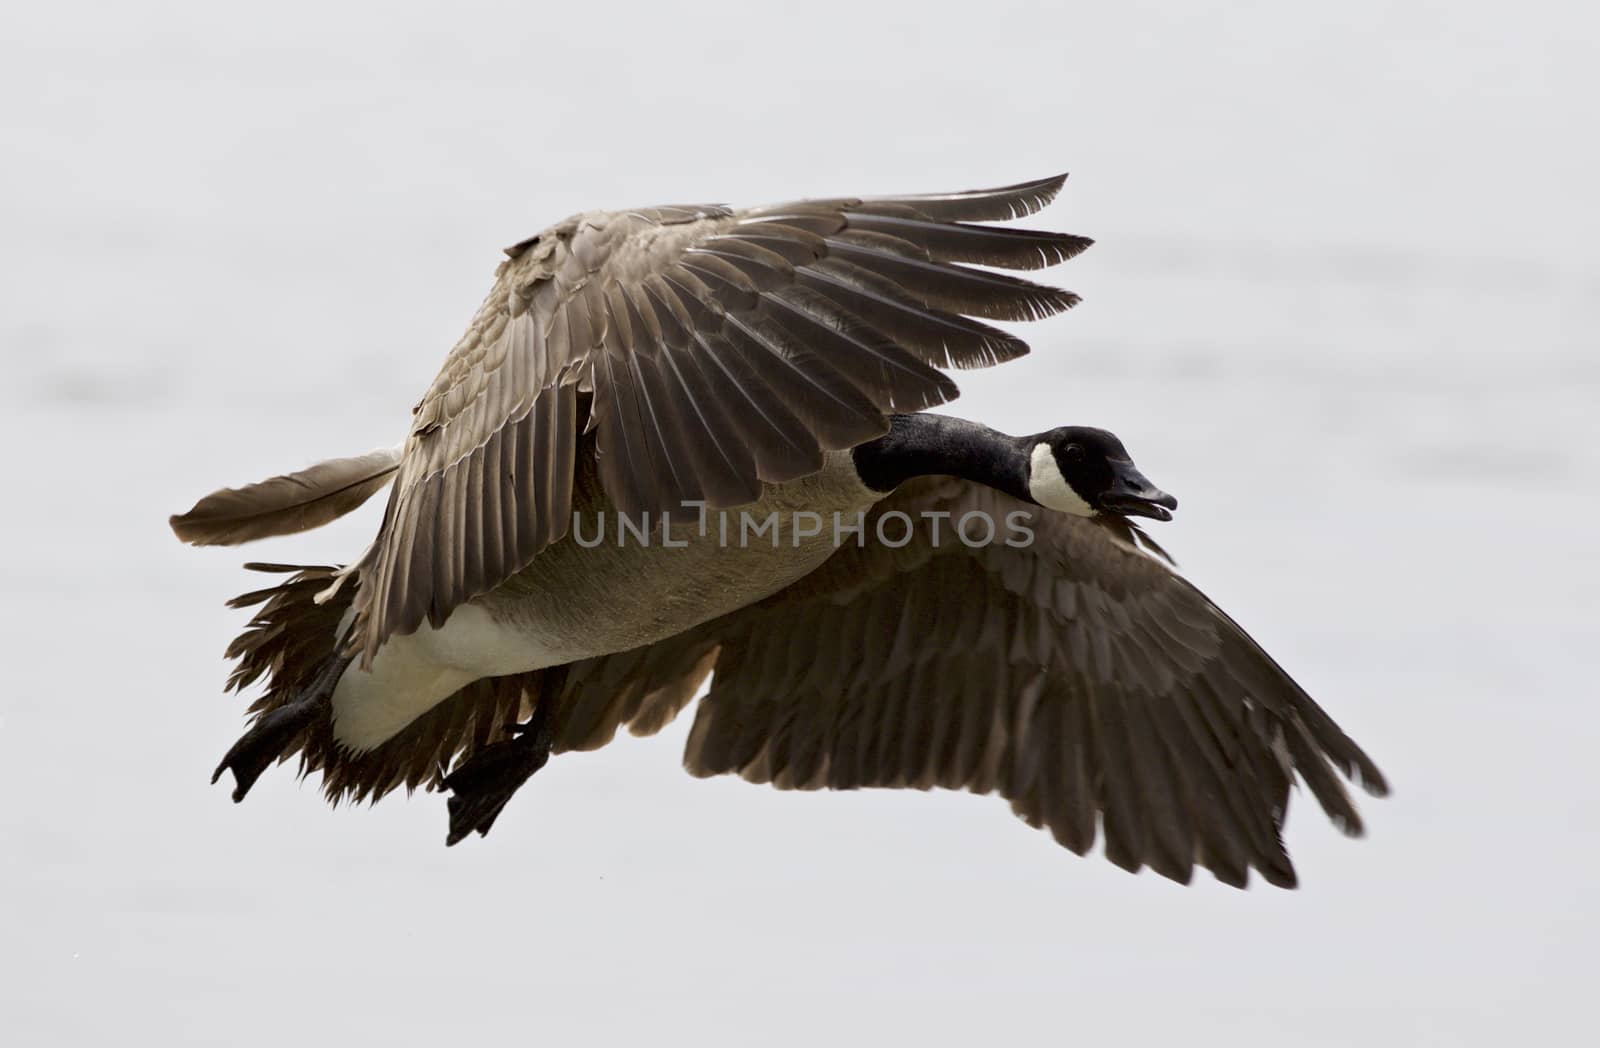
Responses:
[1073,453]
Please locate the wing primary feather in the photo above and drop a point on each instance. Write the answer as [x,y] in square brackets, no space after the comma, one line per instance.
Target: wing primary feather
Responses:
[894,379]
[1246,658]
[1318,775]
[838,413]
[943,339]
[941,285]
[979,205]
[979,245]
[781,445]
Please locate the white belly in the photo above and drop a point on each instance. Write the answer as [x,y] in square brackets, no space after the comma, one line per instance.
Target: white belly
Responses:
[413,673]
[576,602]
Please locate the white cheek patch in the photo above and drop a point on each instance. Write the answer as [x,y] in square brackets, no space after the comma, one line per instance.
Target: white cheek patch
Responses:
[1049,488]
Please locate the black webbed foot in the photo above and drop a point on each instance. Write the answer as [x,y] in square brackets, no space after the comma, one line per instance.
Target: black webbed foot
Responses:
[272,735]
[485,782]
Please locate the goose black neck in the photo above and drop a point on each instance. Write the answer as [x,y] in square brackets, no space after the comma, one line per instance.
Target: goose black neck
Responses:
[937,445]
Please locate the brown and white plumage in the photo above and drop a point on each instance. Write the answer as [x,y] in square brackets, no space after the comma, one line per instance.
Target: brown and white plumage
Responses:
[1079,677]
[709,350]
[637,360]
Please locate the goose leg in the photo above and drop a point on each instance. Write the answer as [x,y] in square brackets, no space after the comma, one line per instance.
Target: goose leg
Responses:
[272,735]
[483,784]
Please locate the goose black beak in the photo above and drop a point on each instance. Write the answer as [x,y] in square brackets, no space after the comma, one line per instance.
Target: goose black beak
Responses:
[1132,495]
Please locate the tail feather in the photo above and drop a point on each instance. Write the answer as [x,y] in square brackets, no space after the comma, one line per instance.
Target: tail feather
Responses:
[287,504]
[291,637]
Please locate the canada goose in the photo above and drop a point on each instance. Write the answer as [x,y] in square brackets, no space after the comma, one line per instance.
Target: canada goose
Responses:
[771,365]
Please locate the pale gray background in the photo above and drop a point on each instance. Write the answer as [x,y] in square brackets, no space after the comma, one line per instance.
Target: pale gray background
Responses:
[1343,304]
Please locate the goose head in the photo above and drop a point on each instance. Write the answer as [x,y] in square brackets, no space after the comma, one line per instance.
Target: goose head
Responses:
[1086,471]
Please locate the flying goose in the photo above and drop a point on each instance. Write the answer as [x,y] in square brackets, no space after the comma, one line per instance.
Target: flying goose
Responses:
[683,368]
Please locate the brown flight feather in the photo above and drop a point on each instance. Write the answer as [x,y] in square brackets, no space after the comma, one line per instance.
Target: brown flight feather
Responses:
[288,504]
[723,348]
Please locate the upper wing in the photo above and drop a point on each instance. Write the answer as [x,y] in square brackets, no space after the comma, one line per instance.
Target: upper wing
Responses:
[709,349]
[1074,675]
